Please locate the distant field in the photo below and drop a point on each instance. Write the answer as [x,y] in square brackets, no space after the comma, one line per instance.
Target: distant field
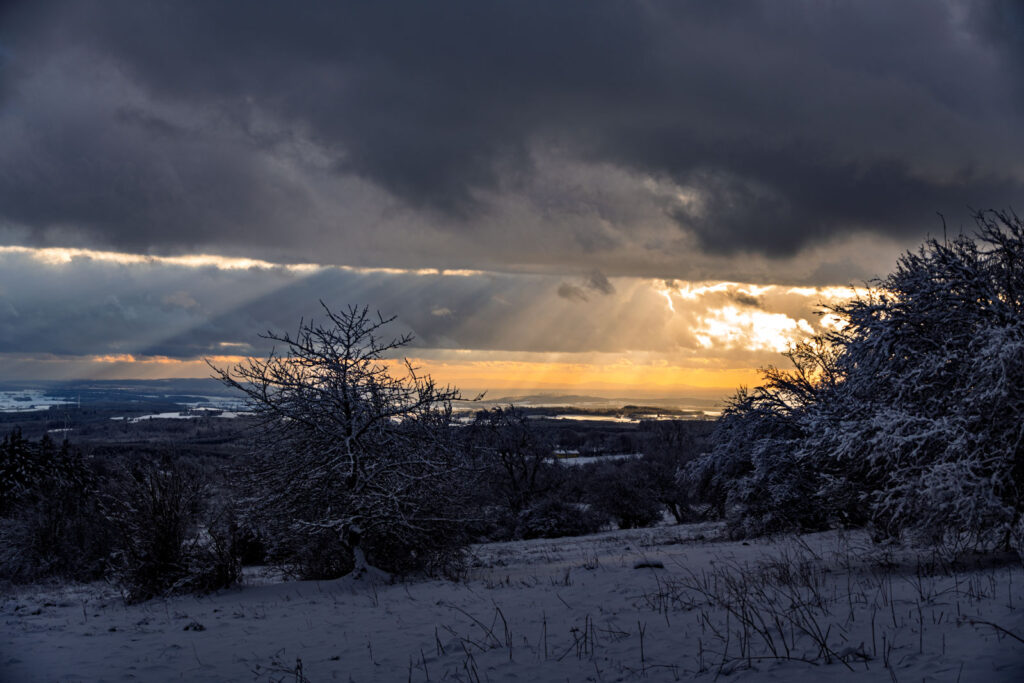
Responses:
[190,415]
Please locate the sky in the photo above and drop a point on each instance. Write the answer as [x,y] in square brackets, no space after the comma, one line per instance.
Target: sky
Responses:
[631,198]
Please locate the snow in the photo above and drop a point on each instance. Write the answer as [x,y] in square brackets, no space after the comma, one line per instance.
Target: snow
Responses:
[590,418]
[572,609]
[589,459]
[27,400]
[190,414]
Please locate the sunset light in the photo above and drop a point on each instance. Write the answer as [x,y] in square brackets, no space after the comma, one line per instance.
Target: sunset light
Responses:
[682,337]
[529,341]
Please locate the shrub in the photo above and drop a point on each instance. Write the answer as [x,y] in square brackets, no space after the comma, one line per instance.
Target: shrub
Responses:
[621,491]
[53,523]
[555,518]
[163,547]
[906,417]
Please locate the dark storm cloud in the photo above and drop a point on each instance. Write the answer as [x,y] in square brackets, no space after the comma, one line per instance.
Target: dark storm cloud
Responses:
[1003,22]
[767,126]
[746,300]
[572,292]
[597,281]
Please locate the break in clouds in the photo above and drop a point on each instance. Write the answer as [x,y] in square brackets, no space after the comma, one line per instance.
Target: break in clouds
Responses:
[89,306]
[659,139]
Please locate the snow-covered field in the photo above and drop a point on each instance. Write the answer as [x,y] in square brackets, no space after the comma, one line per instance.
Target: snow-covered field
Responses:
[663,604]
[189,414]
[26,400]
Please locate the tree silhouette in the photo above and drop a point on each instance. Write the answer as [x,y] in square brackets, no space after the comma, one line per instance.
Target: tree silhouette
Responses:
[352,446]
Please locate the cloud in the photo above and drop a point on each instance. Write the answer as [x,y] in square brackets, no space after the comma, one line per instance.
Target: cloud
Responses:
[572,292]
[597,281]
[642,138]
[180,299]
[148,308]
[746,299]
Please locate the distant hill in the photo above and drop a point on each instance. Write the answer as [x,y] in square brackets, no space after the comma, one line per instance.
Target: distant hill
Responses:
[540,400]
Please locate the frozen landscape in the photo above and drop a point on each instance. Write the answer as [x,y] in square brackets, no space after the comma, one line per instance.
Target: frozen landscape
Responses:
[512,341]
[662,604]
[899,432]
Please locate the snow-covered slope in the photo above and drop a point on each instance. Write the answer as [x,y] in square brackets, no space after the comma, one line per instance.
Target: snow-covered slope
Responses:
[812,608]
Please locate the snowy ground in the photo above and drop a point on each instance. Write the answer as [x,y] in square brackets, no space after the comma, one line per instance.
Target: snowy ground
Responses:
[819,607]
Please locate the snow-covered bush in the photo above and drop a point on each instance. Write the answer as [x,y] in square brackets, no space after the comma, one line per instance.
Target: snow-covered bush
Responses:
[554,517]
[756,475]
[51,522]
[622,490]
[932,406]
[909,416]
[345,445]
[168,540]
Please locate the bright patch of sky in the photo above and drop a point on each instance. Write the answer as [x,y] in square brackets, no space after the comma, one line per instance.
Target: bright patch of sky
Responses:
[97,314]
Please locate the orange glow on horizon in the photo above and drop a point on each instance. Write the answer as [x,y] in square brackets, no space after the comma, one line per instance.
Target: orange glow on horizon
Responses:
[620,375]
[646,378]
[129,359]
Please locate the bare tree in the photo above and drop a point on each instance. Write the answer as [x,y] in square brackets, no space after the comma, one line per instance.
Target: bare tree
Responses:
[668,447]
[516,454]
[353,445]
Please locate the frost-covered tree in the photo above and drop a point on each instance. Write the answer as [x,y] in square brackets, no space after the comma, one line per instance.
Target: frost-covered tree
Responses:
[623,492]
[909,416]
[157,510]
[355,459]
[755,474]
[929,420]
